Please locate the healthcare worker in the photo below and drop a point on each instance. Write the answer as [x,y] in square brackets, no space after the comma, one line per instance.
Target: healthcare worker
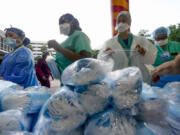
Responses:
[126,49]
[76,46]
[42,70]
[167,50]
[168,68]
[18,65]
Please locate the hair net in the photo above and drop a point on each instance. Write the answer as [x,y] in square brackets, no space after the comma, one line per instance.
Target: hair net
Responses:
[161,30]
[71,19]
[126,14]
[17,31]
[45,53]
[20,33]
[26,41]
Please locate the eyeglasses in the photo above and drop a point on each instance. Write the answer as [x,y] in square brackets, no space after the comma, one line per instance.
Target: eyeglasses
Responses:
[160,38]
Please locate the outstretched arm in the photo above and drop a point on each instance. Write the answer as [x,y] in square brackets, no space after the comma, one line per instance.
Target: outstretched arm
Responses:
[68,53]
[168,68]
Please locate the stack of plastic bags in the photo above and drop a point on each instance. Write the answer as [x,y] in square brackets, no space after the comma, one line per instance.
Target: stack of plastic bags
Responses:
[19,107]
[29,100]
[93,101]
[97,101]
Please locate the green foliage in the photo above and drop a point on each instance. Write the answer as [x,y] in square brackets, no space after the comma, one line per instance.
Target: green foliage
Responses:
[37,58]
[175,33]
[144,33]
[30,47]
[95,53]
[44,48]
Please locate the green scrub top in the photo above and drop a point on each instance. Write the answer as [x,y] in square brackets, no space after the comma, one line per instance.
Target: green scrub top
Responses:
[126,47]
[76,42]
[172,48]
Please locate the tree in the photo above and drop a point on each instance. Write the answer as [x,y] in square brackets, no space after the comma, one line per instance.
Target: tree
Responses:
[30,47]
[37,58]
[144,33]
[44,48]
[95,53]
[175,33]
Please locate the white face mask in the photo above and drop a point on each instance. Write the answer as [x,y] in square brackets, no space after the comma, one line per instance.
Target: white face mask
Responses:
[162,42]
[122,27]
[65,28]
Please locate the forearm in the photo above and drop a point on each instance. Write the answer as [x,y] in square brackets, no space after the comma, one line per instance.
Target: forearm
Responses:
[177,64]
[70,54]
[170,68]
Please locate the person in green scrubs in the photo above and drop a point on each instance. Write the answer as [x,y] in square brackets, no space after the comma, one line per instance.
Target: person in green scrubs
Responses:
[75,47]
[167,50]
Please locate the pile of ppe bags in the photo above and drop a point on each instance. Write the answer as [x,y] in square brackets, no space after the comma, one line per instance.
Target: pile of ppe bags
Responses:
[19,107]
[98,101]
[93,101]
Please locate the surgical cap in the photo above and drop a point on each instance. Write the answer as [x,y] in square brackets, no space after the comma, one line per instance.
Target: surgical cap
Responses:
[45,53]
[126,14]
[20,33]
[161,30]
[17,31]
[70,18]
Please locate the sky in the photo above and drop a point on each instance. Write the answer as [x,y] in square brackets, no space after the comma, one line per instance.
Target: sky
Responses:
[39,18]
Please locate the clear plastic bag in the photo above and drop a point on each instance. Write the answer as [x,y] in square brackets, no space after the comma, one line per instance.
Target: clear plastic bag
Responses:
[9,85]
[154,111]
[14,120]
[94,99]
[85,71]
[15,133]
[141,129]
[125,87]
[29,100]
[170,113]
[53,67]
[63,112]
[77,131]
[110,123]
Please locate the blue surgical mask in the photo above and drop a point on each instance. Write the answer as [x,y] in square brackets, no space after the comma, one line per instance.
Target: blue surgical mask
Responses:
[11,42]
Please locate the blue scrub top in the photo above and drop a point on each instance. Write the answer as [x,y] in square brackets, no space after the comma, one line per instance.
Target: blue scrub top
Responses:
[18,67]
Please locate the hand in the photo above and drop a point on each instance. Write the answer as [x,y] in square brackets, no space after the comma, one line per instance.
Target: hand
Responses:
[164,69]
[154,76]
[44,78]
[141,50]
[108,51]
[52,44]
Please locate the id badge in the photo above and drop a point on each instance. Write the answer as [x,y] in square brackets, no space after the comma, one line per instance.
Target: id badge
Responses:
[165,56]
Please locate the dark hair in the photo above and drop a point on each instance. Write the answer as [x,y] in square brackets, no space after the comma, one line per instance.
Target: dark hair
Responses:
[26,41]
[70,18]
